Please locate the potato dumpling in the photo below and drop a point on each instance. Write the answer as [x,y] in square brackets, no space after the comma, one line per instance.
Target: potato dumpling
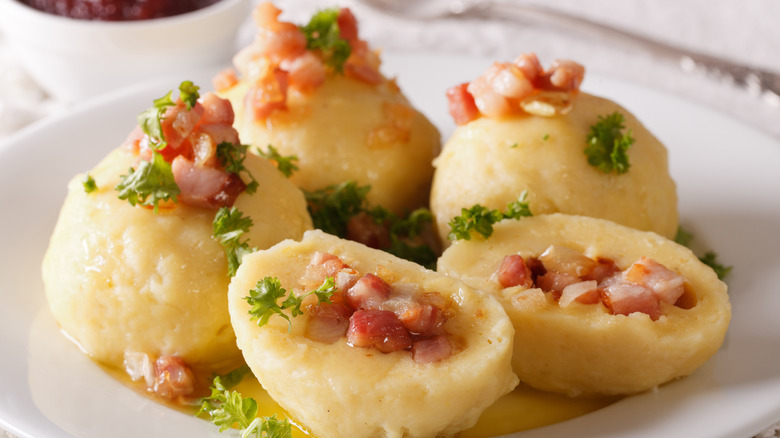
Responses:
[492,161]
[336,388]
[122,279]
[347,130]
[321,97]
[584,349]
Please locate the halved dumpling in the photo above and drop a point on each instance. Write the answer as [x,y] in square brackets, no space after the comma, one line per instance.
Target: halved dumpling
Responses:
[613,337]
[399,352]
[121,279]
[491,161]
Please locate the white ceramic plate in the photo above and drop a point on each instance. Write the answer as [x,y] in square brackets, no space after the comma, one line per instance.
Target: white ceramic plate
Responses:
[728,180]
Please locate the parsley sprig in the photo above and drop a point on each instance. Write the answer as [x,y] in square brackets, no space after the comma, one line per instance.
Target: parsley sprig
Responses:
[480,219]
[89,183]
[151,183]
[229,226]
[608,144]
[227,408]
[232,158]
[332,208]
[322,33]
[264,299]
[285,164]
[710,258]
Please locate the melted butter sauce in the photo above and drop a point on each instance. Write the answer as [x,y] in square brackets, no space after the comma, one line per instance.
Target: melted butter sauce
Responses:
[522,409]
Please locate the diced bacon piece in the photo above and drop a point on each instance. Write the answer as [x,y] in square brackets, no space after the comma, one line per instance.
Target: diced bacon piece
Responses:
[216,110]
[133,140]
[204,149]
[431,350]
[380,329]
[178,123]
[363,228]
[567,261]
[585,292]
[461,104]
[348,25]
[509,81]
[306,72]
[173,378]
[529,64]
[357,68]
[369,292]
[278,40]
[566,75]
[224,80]
[514,272]
[321,266]
[667,285]
[139,366]
[205,186]
[605,269]
[423,319]
[268,94]
[555,282]
[624,298]
[487,100]
[328,322]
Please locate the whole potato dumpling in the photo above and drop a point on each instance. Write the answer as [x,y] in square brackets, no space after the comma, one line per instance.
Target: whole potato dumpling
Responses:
[122,279]
[337,387]
[340,116]
[584,349]
[491,161]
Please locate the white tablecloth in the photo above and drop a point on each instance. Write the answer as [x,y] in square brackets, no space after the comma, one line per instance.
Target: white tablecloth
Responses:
[747,31]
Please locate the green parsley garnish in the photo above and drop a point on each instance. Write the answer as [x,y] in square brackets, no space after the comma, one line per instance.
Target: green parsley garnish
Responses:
[188,92]
[150,121]
[513,146]
[481,219]
[545,137]
[227,408]
[232,158]
[89,183]
[608,145]
[285,164]
[332,208]
[709,258]
[264,299]
[323,34]
[229,225]
[149,184]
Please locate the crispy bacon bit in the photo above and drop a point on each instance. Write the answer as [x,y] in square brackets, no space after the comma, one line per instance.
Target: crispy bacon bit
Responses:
[431,350]
[667,285]
[268,94]
[204,186]
[368,293]
[509,88]
[571,276]
[328,322]
[423,319]
[173,378]
[461,104]
[380,329]
[348,25]
[514,272]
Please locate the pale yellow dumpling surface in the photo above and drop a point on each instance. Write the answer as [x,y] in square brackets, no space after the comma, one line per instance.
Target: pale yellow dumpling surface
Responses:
[347,130]
[337,390]
[492,161]
[122,279]
[582,349]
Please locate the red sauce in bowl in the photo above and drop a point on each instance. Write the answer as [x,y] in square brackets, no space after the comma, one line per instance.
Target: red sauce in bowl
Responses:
[117,10]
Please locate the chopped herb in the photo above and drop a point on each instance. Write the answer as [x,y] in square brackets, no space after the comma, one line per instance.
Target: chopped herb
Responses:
[227,408]
[323,34]
[481,219]
[233,378]
[711,259]
[229,225]
[514,145]
[232,158]
[149,184]
[264,299]
[545,137]
[285,164]
[188,92]
[89,183]
[150,121]
[608,145]
[332,207]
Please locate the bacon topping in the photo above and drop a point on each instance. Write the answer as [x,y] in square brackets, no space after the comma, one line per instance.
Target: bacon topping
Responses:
[570,277]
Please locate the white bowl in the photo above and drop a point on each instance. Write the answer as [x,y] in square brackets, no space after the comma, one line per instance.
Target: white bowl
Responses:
[75,59]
